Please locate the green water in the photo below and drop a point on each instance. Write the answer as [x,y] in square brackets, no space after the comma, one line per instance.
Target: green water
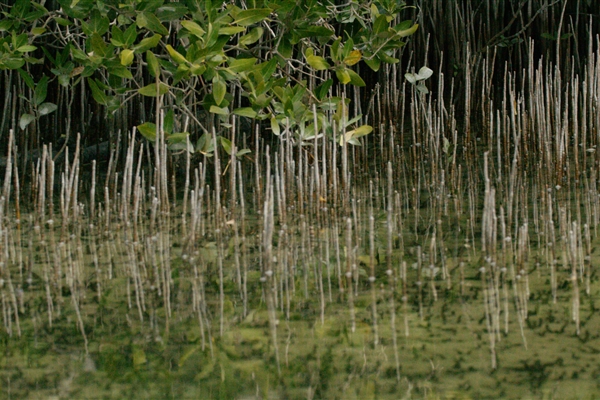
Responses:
[137,349]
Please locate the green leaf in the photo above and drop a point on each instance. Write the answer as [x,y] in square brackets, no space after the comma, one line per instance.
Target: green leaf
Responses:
[25,120]
[126,57]
[285,47]
[150,90]
[252,16]
[26,48]
[352,58]
[46,108]
[373,63]
[251,37]
[38,31]
[205,145]
[148,130]
[407,32]
[275,126]
[343,75]
[153,66]
[194,28]
[241,64]
[97,93]
[231,30]
[226,143]
[219,89]
[169,122]
[149,21]
[380,25]
[317,62]
[27,78]
[117,36]
[323,89]
[219,110]
[147,43]
[41,91]
[98,45]
[98,24]
[355,79]
[120,71]
[352,136]
[175,55]
[130,35]
[245,112]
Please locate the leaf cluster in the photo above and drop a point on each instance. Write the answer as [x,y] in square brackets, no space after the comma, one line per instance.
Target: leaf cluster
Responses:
[280,58]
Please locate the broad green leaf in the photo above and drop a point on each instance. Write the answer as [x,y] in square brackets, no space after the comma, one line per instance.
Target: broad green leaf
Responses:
[151,90]
[219,89]
[148,130]
[380,25]
[251,37]
[219,110]
[353,57]
[27,78]
[355,79]
[226,143]
[25,120]
[126,57]
[373,63]
[231,30]
[98,45]
[41,91]
[322,90]
[241,64]
[26,48]
[343,75]
[169,121]
[275,126]
[62,21]
[194,28]
[120,71]
[153,66]
[12,63]
[175,55]
[147,43]
[198,69]
[243,152]
[317,62]
[46,108]
[179,137]
[38,31]
[387,58]
[252,16]
[360,131]
[130,35]
[97,93]
[5,25]
[352,136]
[205,145]
[117,36]
[245,112]
[149,21]
[408,32]
[98,24]
[285,48]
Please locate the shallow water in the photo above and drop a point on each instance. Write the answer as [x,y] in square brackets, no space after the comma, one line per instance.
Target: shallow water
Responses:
[150,307]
